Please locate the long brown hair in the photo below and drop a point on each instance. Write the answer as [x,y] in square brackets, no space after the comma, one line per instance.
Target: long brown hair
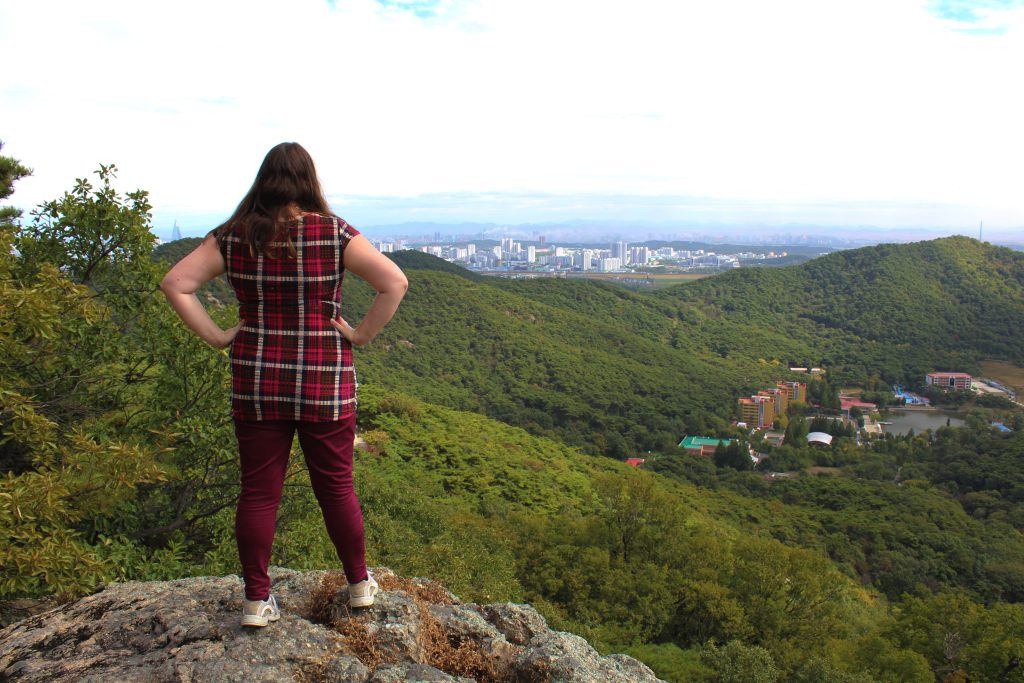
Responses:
[287,176]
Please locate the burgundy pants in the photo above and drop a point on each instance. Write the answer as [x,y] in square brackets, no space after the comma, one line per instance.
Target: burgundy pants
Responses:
[264,447]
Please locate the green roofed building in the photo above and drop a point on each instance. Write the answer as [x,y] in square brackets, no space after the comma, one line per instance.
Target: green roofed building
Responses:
[702,445]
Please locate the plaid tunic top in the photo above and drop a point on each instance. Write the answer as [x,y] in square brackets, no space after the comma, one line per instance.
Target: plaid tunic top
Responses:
[287,361]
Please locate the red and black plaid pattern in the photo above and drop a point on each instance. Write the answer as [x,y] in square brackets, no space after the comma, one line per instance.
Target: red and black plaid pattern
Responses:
[287,361]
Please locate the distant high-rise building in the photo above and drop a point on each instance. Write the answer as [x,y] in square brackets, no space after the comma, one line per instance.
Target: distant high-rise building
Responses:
[175,232]
[531,254]
[639,255]
[620,250]
[541,240]
[583,259]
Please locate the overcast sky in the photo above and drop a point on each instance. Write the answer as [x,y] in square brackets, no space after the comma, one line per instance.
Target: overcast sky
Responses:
[893,113]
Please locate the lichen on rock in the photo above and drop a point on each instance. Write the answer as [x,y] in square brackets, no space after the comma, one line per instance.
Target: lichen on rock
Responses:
[188,630]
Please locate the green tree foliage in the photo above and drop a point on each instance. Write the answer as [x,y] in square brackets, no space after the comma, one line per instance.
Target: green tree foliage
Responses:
[995,401]
[95,236]
[796,432]
[60,464]
[736,662]
[11,171]
[956,634]
[824,395]
[672,663]
[952,398]
[735,455]
[890,311]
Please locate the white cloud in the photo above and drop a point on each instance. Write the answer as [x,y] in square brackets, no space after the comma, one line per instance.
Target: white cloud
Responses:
[805,102]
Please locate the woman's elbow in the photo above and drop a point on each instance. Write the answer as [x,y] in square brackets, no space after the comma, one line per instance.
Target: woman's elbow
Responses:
[167,284]
[396,284]
[171,285]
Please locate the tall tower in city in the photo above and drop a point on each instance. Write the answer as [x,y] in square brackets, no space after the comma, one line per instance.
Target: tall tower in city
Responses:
[620,250]
[175,232]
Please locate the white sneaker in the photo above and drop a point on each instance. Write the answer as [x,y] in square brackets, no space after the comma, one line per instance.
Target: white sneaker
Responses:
[260,612]
[361,594]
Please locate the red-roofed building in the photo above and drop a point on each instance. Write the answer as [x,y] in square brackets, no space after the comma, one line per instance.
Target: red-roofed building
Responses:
[636,462]
[847,402]
[949,380]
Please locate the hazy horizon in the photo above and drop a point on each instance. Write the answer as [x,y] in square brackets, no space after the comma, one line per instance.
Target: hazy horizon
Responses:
[895,117]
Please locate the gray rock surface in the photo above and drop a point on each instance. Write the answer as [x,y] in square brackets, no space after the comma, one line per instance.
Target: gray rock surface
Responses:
[188,630]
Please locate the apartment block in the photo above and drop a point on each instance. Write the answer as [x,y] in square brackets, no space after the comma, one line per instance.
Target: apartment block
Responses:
[797,391]
[757,411]
[780,397]
[949,380]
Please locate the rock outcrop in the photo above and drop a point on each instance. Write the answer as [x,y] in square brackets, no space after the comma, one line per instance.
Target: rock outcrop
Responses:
[188,630]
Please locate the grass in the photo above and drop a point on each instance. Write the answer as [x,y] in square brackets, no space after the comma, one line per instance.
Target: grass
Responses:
[1009,374]
[653,281]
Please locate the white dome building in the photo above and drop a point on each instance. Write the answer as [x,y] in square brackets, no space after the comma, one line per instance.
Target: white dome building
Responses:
[819,439]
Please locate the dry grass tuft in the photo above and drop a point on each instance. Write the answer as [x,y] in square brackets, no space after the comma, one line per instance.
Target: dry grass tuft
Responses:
[422,592]
[320,604]
[456,658]
[356,638]
[359,642]
[444,653]
[447,654]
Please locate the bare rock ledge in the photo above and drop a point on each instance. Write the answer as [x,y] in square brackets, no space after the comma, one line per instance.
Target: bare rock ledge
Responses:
[188,630]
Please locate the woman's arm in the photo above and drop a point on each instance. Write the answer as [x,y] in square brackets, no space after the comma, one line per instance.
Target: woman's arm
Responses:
[383,275]
[180,285]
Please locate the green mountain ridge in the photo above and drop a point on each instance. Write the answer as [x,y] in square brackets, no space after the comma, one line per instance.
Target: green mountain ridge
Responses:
[945,296]
[619,372]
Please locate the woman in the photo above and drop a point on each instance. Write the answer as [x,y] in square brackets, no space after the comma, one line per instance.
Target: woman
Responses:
[285,254]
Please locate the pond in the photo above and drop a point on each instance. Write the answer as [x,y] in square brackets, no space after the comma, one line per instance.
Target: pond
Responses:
[918,420]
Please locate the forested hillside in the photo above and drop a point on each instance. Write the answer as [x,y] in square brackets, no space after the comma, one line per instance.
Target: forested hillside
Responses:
[483,409]
[617,372]
[893,310]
